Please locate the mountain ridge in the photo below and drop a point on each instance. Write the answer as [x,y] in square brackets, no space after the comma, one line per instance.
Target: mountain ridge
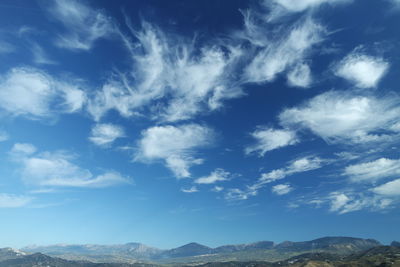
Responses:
[132,252]
[377,256]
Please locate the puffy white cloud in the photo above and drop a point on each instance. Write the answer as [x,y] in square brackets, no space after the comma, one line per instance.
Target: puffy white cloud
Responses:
[362,70]
[161,65]
[174,145]
[192,189]
[34,94]
[282,189]
[300,76]
[218,175]
[84,25]
[22,149]
[391,188]
[105,133]
[269,139]
[297,166]
[14,201]
[339,116]
[284,53]
[74,97]
[26,92]
[56,169]
[373,170]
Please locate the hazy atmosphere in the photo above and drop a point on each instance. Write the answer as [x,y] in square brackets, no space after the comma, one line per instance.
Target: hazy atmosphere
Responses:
[210,121]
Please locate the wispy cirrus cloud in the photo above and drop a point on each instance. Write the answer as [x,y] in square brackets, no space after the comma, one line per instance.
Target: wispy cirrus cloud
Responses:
[14,201]
[268,139]
[192,189]
[300,165]
[56,169]
[103,134]
[346,201]
[84,25]
[6,48]
[174,146]
[218,175]
[34,94]
[281,8]
[373,171]
[286,52]
[40,56]
[161,64]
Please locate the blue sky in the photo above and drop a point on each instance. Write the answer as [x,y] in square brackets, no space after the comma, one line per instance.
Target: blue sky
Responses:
[167,122]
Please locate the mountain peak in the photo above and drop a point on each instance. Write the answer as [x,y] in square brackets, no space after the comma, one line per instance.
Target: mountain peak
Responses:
[395,244]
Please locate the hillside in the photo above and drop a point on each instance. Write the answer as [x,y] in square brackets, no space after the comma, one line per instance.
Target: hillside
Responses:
[379,256]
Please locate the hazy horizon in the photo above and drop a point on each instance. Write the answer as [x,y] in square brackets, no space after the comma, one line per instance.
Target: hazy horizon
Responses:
[166,248]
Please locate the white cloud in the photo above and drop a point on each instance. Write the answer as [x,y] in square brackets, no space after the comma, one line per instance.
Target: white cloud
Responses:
[22,149]
[84,25]
[279,8]
[105,133]
[218,175]
[339,116]
[373,170]
[239,194]
[6,48]
[287,52]
[396,3]
[269,139]
[192,189]
[56,169]
[391,188]
[161,65]
[3,136]
[14,201]
[300,76]
[26,92]
[362,70]
[34,94]
[297,166]
[174,145]
[217,188]
[342,202]
[282,189]
[40,56]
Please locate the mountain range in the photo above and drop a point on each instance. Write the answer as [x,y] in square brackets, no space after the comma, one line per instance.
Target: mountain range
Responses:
[194,252]
[376,256]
